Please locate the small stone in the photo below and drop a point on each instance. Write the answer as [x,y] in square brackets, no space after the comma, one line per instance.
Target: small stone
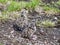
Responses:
[12,35]
[39,10]
[9,36]
[29,44]
[9,28]
[2,7]
[41,30]
[8,3]
[34,37]
[54,37]
[58,41]
[2,26]
[55,18]
[12,32]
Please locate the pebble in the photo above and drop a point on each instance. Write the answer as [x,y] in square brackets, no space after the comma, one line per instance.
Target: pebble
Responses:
[12,32]
[55,18]
[34,37]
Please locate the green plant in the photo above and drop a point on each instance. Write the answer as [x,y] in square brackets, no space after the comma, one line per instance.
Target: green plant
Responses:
[32,4]
[48,23]
[50,9]
[3,1]
[15,6]
[38,23]
[4,18]
[46,8]
[58,2]
[1,44]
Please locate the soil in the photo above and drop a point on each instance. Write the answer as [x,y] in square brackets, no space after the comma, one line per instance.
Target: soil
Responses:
[12,34]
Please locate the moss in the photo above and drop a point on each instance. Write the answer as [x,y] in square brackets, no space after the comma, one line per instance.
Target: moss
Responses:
[38,23]
[45,23]
[4,18]
[48,23]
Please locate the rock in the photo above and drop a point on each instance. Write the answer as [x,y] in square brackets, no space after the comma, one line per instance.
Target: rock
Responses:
[34,37]
[58,41]
[2,7]
[39,10]
[12,31]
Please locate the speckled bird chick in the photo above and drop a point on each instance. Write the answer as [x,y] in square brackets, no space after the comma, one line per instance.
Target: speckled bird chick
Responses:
[22,24]
[30,26]
[22,21]
[23,18]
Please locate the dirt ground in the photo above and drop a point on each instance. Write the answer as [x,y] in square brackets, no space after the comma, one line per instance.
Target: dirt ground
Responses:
[42,36]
